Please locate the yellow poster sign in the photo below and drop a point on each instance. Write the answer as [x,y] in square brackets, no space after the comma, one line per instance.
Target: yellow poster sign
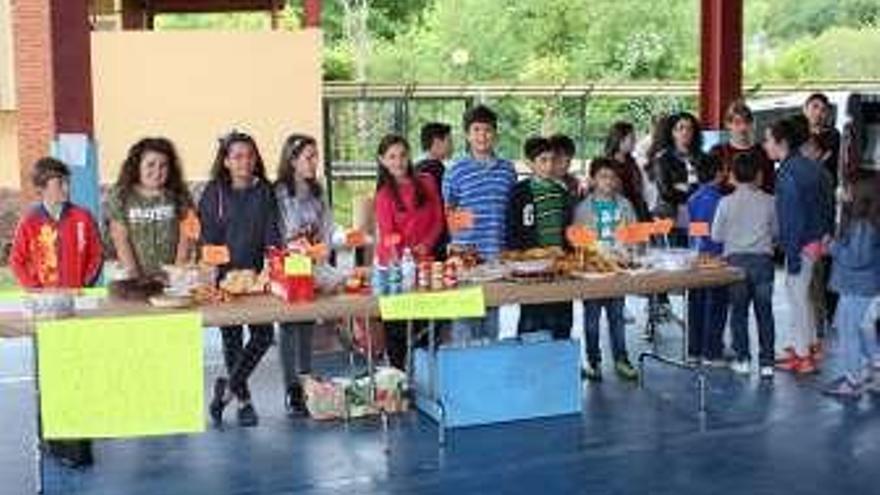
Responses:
[121,377]
[449,304]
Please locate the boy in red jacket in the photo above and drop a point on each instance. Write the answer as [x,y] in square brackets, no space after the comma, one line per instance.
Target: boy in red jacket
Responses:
[57,245]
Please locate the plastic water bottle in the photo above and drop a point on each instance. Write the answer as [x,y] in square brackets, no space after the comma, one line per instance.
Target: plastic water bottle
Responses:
[395,279]
[379,280]
[408,271]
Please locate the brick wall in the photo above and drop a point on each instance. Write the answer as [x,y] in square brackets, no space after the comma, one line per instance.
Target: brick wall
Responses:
[31,41]
[53,75]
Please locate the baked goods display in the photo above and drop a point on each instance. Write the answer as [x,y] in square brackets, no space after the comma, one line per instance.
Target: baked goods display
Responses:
[241,282]
[705,260]
[534,254]
[590,261]
[464,255]
[208,294]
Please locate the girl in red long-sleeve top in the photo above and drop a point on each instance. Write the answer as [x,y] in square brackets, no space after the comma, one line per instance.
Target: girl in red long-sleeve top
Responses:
[407,204]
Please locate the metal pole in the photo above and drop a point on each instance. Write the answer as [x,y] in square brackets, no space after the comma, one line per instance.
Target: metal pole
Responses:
[328,150]
[582,130]
[38,447]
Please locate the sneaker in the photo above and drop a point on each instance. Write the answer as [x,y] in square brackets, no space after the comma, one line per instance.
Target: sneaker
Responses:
[593,373]
[767,371]
[843,387]
[295,400]
[625,370]
[217,400]
[741,367]
[806,366]
[72,454]
[247,416]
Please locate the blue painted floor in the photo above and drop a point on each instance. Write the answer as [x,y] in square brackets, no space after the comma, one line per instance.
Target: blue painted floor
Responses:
[782,437]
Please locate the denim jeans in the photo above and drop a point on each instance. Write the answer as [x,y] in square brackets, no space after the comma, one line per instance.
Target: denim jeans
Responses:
[295,349]
[707,318]
[858,342]
[616,328]
[552,317]
[756,290]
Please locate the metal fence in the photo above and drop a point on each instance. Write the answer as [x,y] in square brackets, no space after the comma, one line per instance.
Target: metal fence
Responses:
[356,115]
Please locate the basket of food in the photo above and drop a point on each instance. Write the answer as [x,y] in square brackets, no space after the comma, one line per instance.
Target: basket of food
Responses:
[589,262]
[136,289]
[674,259]
[489,272]
[532,261]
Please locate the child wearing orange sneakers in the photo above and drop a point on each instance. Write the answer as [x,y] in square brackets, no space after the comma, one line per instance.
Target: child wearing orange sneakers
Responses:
[801,207]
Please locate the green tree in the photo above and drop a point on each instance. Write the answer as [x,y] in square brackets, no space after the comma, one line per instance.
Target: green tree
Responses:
[789,20]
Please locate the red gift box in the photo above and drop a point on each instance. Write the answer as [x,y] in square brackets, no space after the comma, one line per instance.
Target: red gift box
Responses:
[290,288]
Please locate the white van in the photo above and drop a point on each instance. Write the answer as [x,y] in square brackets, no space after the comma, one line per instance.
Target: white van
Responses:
[860,109]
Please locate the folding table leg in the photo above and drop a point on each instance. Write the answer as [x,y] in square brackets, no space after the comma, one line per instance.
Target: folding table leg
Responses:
[39,458]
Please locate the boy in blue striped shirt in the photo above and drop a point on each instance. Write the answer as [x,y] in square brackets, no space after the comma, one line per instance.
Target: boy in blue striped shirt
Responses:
[480,184]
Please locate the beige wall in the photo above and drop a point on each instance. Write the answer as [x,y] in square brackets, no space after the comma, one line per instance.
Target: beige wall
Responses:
[194,86]
[8,151]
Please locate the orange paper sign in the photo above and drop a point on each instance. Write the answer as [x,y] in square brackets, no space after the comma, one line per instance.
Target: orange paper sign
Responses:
[355,238]
[580,236]
[642,231]
[625,235]
[699,229]
[190,227]
[215,255]
[663,226]
[459,220]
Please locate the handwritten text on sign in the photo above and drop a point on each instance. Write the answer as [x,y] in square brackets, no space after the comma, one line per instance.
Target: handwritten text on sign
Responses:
[121,377]
[450,304]
[297,265]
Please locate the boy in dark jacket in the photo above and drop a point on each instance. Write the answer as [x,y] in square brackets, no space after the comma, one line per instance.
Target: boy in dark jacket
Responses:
[563,153]
[437,145]
[540,210]
[707,308]
[802,210]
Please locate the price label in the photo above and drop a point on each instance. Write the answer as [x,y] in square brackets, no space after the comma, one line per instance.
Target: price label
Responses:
[216,255]
[297,265]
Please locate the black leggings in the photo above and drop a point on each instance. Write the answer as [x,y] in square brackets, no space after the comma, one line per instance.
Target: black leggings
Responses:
[241,359]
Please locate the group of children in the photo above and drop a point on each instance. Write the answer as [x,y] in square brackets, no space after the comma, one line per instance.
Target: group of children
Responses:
[752,210]
[504,214]
[58,244]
